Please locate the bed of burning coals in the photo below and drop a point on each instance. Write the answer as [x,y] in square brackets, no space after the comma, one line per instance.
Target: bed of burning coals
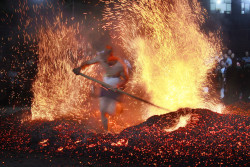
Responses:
[207,139]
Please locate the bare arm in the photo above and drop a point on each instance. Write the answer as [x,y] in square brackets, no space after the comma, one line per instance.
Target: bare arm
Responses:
[89,62]
[85,64]
[125,77]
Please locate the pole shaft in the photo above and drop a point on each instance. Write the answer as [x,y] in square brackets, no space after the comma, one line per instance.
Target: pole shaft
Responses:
[119,90]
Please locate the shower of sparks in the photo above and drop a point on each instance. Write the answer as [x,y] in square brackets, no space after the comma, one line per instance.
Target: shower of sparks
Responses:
[61,45]
[172,55]
[57,90]
[56,44]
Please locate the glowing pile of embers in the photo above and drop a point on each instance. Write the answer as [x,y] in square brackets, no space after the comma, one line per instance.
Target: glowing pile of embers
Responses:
[208,139]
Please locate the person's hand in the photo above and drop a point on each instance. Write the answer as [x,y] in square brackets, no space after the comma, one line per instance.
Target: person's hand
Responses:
[77,70]
[121,87]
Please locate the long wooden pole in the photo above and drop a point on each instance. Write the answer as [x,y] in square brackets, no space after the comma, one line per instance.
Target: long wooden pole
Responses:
[119,90]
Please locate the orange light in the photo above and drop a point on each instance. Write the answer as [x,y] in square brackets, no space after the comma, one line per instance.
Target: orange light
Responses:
[172,55]
[183,121]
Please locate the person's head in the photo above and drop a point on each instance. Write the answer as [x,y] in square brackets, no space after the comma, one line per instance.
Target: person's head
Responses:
[232,55]
[246,54]
[225,56]
[107,54]
[229,52]
[238,64]
[222,64]
[108,50]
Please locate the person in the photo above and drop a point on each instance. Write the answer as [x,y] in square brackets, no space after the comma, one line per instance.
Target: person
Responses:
[233,81]
[228,60]
[246,83]
[246,58]
[229,53]
[233,57]
[115,74]
[222,79]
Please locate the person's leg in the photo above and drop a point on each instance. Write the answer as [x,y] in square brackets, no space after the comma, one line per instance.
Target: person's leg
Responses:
[222,93]
[103,107]
[94,91]
[115,109]
[107,106]
[119,108]
[111,106]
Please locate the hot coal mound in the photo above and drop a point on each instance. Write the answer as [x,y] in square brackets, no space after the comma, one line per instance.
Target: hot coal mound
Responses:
[208,139]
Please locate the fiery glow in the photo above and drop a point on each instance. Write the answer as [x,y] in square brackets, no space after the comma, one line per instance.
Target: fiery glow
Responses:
[57,90]
[171,58]
[171,54]
[60,44]
[206,137]
[183,121]
[216,107]
[60,149]
[44,142]
[121,142]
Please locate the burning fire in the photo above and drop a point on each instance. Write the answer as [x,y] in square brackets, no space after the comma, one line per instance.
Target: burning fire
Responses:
[172,55]
[57,91]
[60,44]
[171,58]
[183,121]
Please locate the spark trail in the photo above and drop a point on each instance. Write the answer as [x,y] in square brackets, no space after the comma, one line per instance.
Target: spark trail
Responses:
[171,54]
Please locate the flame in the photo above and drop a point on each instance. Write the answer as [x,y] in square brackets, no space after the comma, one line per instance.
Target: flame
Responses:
[172,55]
[60,44]
[57,90]
[183,121]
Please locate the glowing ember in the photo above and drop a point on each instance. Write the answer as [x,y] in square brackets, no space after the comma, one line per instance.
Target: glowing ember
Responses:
[171,54]
[60,149]
[121,142]
[181,123]
[44,142]
[205,137]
